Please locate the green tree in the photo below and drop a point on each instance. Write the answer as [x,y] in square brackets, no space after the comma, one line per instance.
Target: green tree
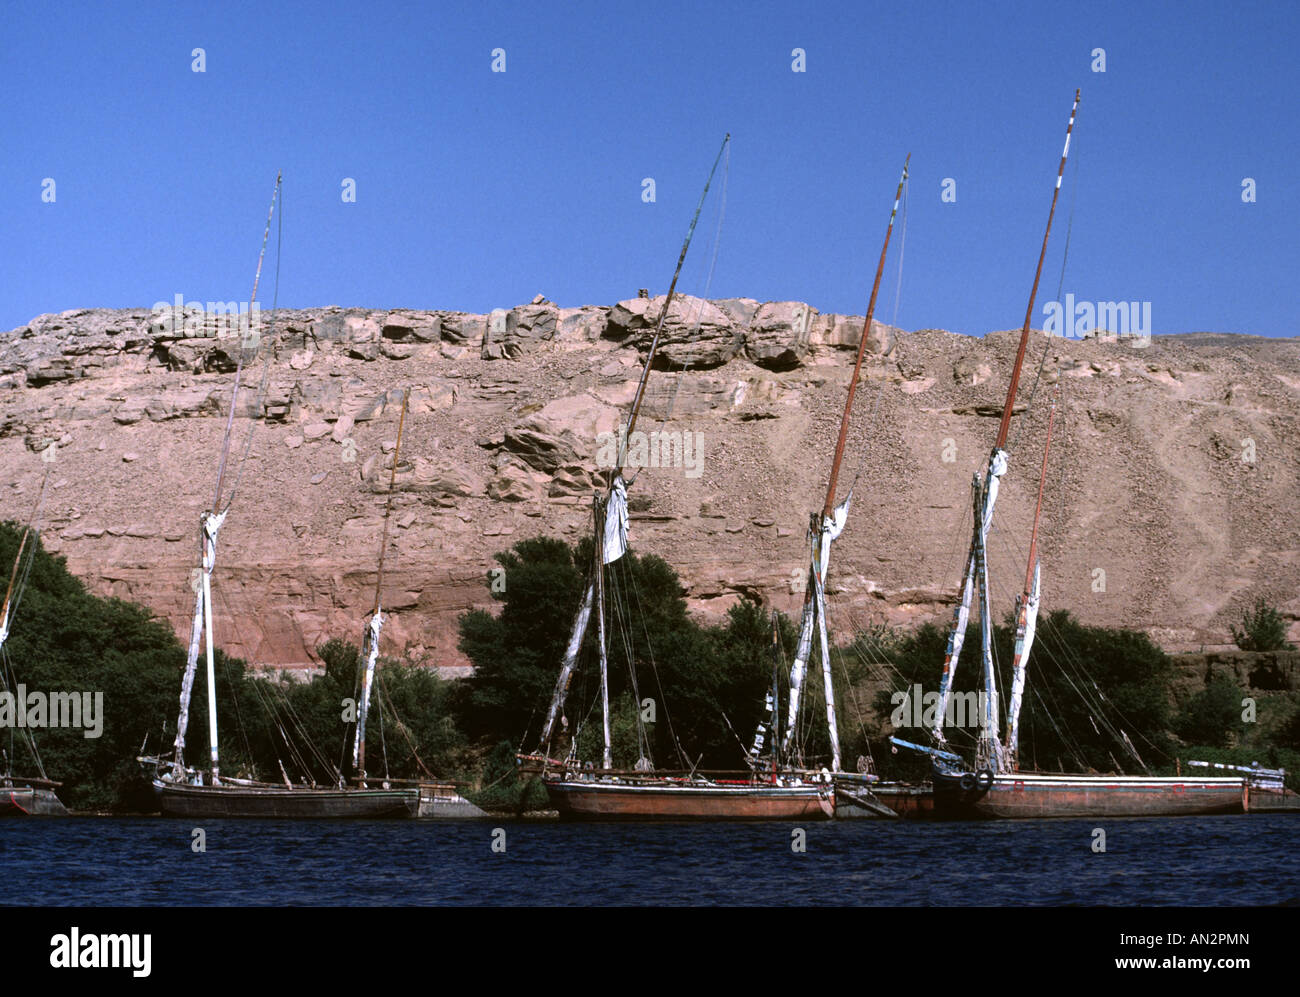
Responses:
[704,685]
[1262,629]
[65,640]
[1213,716]
[517,653]
[1086,689]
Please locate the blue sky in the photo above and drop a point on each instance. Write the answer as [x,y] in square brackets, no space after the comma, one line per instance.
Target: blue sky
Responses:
[478,189]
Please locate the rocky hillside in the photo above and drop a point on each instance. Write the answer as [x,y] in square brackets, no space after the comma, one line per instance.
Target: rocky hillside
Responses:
[1170,504]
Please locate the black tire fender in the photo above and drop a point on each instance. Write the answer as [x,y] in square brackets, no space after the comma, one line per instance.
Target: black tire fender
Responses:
[984,779]
[966,782]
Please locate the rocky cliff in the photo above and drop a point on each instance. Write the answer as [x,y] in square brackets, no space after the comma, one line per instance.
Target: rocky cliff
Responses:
[1170,501]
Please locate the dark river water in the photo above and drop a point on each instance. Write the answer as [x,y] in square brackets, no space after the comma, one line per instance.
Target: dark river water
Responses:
[1216,861]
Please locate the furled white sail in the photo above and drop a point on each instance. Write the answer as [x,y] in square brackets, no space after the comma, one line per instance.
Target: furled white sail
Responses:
[956,638]
[813,610]
[210,526]
[989,748]
[832,726]
[799,668]
[766,728]
[832,527]
[1025,627]
[614,542]
[997,467]
[372,657]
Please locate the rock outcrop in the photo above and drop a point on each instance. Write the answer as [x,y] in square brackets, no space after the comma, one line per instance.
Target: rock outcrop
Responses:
[1171,501]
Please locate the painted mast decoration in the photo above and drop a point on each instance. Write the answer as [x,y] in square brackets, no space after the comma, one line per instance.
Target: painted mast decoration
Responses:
[210,523]
[370,639]
[822,531]
[990,752]
[611,521]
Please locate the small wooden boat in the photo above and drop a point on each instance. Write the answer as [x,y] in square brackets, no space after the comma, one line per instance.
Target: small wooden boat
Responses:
[30,798]
[607,797]
[242,798]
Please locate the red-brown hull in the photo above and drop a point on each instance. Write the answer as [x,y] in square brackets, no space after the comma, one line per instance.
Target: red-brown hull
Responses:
[1031,795]
[610,801]
[911,801]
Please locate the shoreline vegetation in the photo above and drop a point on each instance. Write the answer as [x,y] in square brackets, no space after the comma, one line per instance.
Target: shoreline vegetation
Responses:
[705,682]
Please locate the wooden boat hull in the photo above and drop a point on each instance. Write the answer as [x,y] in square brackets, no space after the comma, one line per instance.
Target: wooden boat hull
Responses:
[30,801]
[612,801]
[1035,795]
[179,800]
[442,805]
[1272,800]
[912,801]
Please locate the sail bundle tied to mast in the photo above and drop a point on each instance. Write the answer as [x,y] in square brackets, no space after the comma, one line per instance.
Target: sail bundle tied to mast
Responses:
[614,541]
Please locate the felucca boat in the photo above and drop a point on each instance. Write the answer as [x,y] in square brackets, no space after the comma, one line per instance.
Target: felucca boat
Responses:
[192,792]
[995,785]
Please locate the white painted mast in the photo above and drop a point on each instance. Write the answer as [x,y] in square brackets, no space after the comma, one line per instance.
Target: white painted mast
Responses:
[607,757]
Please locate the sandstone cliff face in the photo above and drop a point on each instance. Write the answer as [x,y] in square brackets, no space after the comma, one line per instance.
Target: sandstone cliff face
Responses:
[1171,499]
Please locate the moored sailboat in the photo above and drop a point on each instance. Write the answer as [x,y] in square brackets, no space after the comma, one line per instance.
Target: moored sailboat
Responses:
[644,792]
[856,794]
[995,787]
[189,791]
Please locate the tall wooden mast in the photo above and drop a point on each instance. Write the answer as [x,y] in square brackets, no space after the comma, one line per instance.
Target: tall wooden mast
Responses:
[610,533]
[1005,424]
[210,523]
[829,507]
[663,315]
[823,531]
[239,361]
[370,642]
[388,503]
